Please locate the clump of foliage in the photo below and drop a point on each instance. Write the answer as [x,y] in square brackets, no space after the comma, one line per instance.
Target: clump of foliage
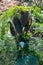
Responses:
[8,16]
[35,36]
[7,51]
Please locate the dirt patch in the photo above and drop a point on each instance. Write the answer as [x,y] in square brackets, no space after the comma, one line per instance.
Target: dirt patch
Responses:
[6,4]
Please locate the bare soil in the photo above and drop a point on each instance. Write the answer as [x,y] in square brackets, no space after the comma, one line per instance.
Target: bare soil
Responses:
[6,4]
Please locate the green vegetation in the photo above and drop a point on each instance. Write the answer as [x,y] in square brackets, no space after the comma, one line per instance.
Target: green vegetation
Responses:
[8,49]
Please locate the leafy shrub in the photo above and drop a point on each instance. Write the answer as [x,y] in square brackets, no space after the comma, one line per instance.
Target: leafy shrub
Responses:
[8,48]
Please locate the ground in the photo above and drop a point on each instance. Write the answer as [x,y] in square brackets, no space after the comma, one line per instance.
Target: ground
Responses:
[6,4]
